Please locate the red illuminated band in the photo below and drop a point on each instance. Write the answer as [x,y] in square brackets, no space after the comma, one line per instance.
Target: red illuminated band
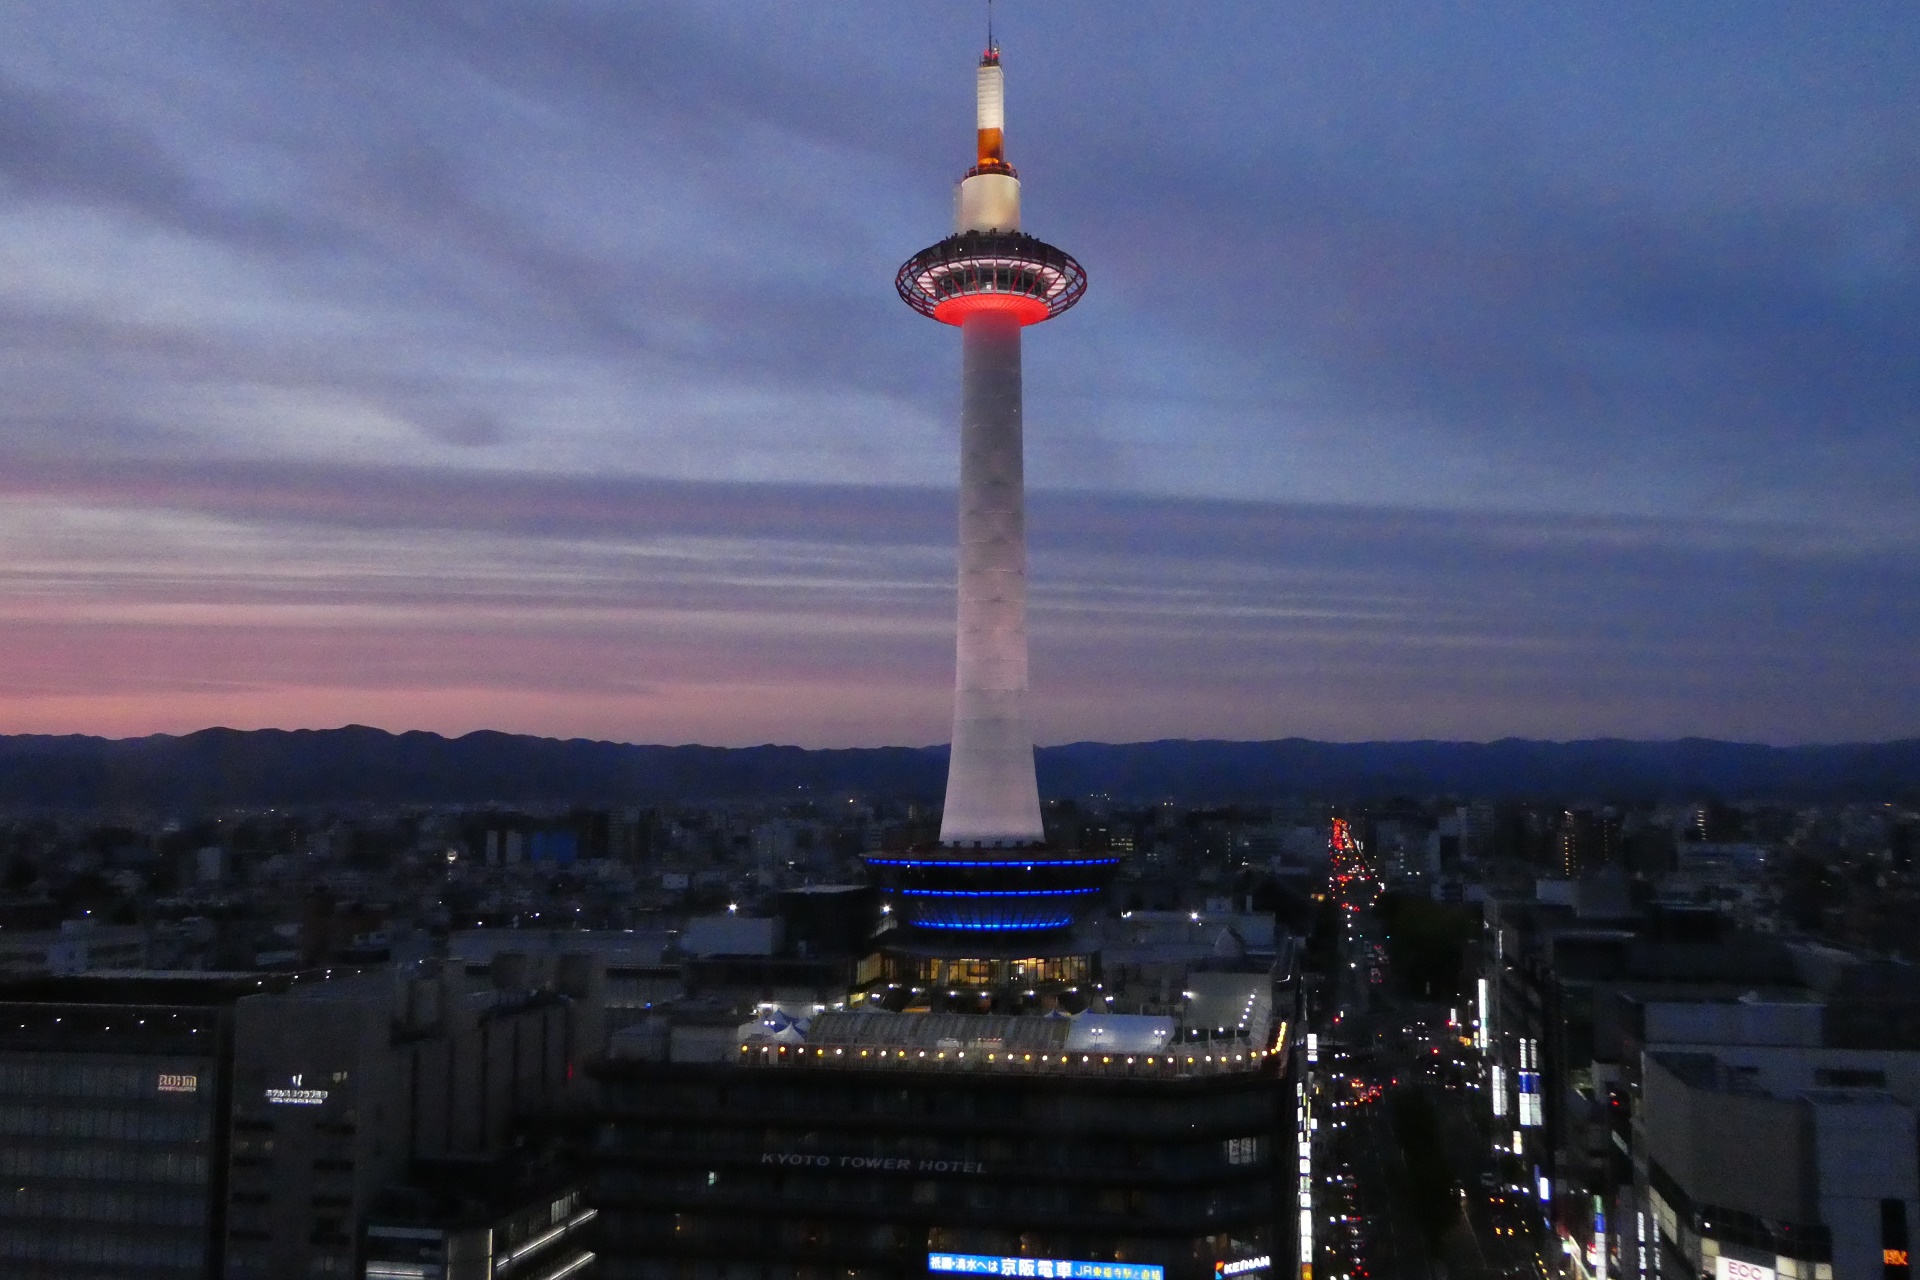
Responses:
[1025,310]
[999,271]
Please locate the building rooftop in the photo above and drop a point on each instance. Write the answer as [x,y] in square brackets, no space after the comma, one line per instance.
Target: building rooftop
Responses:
[183,987]
[1092,1043]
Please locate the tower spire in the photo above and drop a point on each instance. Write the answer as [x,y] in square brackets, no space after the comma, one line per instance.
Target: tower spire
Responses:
[990,115]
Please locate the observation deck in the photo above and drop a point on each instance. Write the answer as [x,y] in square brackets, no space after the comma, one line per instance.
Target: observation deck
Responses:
[991,271]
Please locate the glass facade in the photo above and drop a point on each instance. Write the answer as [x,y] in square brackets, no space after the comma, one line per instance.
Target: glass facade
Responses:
[737,1172]
[108,1140]
[995,973]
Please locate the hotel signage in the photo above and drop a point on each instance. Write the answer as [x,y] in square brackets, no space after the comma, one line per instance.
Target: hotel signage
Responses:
[1043,1268]
[296,1094]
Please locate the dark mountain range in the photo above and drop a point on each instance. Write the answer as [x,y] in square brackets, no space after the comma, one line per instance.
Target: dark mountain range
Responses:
[222,767]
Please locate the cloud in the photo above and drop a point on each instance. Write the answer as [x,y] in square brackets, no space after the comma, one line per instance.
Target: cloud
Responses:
[657,240]
[193,588]
[1467,372]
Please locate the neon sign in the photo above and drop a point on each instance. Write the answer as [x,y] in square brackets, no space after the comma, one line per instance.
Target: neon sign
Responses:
[296,1095]
[1042,1268]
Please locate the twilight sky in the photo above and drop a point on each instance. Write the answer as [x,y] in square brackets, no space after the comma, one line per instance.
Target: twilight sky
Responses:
[1447,370]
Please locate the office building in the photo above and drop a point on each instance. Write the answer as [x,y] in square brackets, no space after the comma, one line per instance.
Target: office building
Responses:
[340,1086]
[1763,1145]
[1689,1099]
[478,1219]
[113,1125]
[241,1125]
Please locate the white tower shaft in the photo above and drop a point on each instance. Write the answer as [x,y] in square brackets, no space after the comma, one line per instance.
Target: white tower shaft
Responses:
[992,796]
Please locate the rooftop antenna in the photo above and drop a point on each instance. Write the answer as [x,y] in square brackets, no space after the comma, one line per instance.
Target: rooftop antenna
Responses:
[990,43]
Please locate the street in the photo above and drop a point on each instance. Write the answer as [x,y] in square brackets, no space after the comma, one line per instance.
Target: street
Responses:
[1377,1218]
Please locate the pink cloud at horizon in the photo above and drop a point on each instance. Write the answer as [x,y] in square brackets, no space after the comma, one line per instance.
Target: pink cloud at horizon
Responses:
[631,616]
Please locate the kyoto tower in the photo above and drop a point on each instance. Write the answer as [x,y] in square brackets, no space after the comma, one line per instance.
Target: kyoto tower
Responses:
[991,280]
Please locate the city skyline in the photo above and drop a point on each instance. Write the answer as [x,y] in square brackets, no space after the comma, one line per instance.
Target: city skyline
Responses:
[1451,376]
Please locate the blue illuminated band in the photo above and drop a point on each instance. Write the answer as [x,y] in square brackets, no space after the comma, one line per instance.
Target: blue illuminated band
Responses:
[1060,923]
[1044,1268]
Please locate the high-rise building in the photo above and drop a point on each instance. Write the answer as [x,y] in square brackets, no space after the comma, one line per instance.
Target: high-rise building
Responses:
[1587,841]
[234,1126]
[113,1126]
[339,1085]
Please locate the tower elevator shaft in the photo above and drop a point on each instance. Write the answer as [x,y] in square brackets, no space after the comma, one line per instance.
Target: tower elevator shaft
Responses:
[992,797]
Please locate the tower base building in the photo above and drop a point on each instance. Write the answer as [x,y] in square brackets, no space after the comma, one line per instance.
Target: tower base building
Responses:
[985,1099]
[870,1150]
[1095,1112]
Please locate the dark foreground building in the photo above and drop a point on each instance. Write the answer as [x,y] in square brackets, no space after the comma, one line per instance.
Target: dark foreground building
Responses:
[167,1126]
[113,1100]
[895,1145]
[1119,1111]
[477,1220]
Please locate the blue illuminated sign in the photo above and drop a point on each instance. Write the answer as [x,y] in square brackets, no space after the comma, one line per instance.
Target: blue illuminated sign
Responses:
[975,1264]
